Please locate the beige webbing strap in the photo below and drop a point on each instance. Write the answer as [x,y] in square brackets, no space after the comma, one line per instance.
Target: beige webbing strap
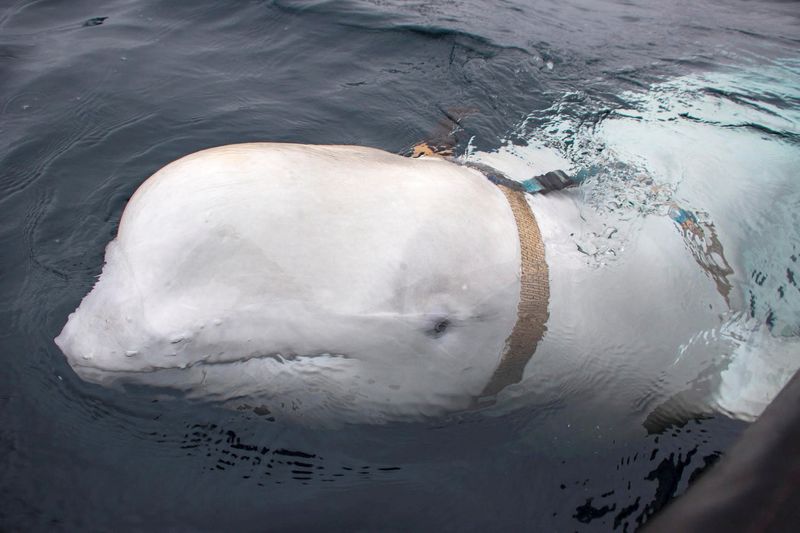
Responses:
[534,298]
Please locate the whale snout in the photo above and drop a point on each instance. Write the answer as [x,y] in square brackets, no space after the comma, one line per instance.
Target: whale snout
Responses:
[101,337]
[93,349]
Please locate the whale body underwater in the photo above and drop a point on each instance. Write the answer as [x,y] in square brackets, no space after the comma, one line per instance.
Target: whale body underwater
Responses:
[348,283]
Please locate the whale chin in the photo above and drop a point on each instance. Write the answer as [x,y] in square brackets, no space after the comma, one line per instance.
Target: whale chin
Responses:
[110,379]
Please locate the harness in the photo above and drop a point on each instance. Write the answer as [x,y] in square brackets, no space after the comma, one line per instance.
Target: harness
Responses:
[534,298]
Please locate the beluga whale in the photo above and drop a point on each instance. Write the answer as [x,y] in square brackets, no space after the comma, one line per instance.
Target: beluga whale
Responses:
[345,283]
[318,278]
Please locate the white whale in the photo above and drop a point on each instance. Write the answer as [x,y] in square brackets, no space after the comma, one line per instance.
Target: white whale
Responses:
[313,277]
[347,283]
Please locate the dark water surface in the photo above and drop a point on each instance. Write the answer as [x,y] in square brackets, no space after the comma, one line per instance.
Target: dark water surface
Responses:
[95,98]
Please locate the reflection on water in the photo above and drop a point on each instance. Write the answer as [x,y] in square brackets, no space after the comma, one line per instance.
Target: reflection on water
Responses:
[681,115]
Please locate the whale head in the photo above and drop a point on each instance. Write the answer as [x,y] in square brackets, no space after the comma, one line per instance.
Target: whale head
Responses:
[376,286]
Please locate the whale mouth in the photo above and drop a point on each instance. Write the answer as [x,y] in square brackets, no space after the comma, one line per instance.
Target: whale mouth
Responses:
[99,374]
[173,377]
[102,376]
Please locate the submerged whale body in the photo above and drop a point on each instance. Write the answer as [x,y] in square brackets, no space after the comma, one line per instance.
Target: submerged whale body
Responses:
[308,278]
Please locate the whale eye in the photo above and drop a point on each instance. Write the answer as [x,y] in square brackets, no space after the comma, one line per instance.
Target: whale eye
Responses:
[439,327]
